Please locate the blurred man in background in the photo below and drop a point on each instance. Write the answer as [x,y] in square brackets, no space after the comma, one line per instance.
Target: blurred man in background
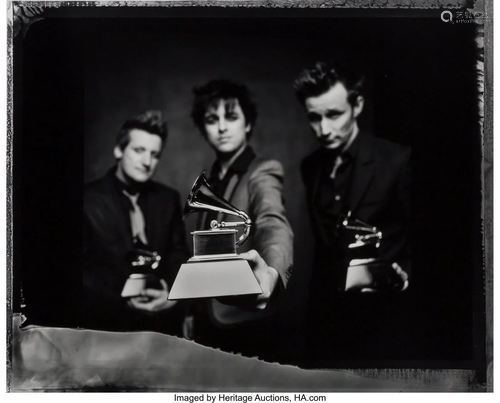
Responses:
[126,210]
[355,310]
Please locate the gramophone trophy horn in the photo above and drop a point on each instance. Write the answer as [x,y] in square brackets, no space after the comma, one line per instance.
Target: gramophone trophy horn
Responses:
[215,270]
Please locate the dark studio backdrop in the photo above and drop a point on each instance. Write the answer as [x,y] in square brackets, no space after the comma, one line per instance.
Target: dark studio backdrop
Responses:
[80,73]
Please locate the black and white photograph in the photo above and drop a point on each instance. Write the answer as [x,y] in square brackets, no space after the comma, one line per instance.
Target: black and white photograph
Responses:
[239,197]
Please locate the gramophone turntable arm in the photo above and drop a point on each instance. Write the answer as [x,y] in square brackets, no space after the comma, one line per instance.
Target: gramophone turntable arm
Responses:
[214,224]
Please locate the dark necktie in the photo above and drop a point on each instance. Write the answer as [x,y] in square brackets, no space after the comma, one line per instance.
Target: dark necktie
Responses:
[336,165]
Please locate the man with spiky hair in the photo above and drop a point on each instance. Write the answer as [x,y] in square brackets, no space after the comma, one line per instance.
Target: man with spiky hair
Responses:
[225,114]
[358,176]
[125,210]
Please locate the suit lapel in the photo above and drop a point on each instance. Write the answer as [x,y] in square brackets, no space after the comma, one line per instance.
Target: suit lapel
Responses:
[153,218]
[363,171]
[315,176]
[113,207]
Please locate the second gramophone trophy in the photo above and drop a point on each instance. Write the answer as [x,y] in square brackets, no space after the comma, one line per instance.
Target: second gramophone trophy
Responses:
[142,263]
[215,270]
[360,243]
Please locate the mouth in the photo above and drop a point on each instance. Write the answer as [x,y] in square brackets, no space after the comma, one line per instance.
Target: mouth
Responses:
[329,139]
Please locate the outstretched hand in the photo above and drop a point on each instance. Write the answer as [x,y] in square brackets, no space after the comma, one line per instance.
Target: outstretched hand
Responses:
[267,278]
[152,300]
[402,275]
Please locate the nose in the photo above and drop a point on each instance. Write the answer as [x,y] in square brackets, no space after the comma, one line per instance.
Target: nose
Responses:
[146,159]
[222,125]
[325,127]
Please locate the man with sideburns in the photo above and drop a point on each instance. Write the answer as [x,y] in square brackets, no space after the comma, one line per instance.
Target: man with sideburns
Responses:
[354,311]
[123,211]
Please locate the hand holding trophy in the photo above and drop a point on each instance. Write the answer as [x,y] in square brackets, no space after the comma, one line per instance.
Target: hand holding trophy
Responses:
[142,263]
[366,272]
[215,270]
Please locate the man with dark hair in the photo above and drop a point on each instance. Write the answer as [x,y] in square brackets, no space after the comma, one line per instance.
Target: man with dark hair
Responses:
[233,94]
[123,211]
[353,309]
[225,114]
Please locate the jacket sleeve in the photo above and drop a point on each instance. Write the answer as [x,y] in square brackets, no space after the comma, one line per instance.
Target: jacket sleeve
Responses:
[273,237]
[177,246]
[102,283]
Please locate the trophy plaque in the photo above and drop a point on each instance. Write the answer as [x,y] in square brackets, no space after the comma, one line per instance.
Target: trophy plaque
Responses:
[142,262]
[215,270]
[360,244]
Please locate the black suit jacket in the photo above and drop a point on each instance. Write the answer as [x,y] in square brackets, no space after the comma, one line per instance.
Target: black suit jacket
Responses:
[379,195]
[380,190]
[107,240]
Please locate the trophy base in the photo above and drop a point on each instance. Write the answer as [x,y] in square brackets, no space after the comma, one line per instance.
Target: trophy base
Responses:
[376,274]
[207,278]
[136,283]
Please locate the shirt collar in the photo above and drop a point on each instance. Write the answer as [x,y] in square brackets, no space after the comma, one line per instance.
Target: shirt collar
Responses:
[240,164]
[328,157]
[130,189]
[352,149]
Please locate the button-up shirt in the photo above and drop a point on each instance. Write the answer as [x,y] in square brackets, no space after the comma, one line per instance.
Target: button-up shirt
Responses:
[334,188]
[238,167]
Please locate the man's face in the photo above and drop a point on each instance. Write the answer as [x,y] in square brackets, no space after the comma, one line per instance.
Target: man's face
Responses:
[226,127]
[139,159]
[332,117]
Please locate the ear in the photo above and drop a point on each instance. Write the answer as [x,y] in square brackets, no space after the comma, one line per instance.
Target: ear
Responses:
[358,106]
[117,152]
[248,127]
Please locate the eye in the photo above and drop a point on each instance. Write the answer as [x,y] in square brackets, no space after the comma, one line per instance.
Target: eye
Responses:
[139,150]
[232,117]
[211,119]
[333,114]
[313,117]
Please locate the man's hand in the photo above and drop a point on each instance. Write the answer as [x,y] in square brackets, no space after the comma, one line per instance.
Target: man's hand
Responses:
[267,278]
[402,275]
[152,300]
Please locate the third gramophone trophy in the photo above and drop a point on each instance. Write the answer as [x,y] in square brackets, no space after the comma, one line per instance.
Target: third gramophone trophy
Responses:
[360,243]
[141,262]
[215,270]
